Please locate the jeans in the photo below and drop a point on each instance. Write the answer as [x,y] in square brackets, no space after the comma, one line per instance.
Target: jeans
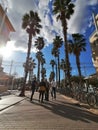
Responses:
[53,93]
[41,95]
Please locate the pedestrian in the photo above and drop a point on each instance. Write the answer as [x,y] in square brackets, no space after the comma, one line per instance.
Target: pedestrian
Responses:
[47,91]
[33,87]
[53,89]
[42,89]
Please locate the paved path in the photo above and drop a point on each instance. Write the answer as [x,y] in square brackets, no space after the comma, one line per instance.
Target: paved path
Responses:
[60,114]
[8,101]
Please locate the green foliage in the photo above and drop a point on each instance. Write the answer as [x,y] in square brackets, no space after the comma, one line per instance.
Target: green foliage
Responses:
[39,43]
[77,79]
[52,76]
[61,6]
[93,82]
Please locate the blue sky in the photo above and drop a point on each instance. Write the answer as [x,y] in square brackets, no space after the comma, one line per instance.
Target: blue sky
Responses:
[80,22]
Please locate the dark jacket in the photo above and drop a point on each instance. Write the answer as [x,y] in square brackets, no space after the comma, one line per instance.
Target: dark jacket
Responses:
[42,86]
[33,84]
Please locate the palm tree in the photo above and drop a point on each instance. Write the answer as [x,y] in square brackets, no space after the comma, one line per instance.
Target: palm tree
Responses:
[42,67]
[39,43]
[32,65]
[76,46]
[57,42]
[31,23]
[63,67]
[52,63]
[42,62]
[43,73]
[64,9]
[55,54]
[39,56]
[52,76]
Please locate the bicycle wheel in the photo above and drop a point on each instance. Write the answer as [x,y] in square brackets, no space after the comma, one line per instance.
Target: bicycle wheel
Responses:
[91,100]
[84,97]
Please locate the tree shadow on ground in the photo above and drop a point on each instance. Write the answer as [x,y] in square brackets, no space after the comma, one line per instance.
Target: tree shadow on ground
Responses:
[68,110]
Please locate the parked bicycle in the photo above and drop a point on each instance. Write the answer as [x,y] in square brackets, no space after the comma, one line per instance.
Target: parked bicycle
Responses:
[92,98]
[82,96]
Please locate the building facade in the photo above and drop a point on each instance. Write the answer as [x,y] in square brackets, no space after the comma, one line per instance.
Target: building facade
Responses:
[5,29]
[94,43]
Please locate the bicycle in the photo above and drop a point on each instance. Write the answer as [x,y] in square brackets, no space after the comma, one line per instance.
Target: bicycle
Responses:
[92,99]
[82,96]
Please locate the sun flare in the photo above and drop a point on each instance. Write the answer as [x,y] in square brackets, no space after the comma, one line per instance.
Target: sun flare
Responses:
[7,51]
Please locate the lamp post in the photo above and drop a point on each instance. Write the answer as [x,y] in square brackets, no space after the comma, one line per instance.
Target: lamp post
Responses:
[13,78]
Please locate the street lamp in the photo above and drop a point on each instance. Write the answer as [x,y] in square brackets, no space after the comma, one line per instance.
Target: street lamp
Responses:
[13,78]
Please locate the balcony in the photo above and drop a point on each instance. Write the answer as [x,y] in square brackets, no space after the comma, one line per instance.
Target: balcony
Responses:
[93,37]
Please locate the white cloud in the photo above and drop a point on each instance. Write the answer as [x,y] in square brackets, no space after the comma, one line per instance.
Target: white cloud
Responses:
[17,8]
[43,4]
[80,19]
[93,2]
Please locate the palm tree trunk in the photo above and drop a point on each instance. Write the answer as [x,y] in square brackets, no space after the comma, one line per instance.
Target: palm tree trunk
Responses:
[58,71]
[78,65]
[53,68]
[26,69]
[64,25]
[38,73]
[79,69]
[42,75]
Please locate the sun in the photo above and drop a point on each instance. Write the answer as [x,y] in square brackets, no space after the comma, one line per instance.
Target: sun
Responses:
[7,51]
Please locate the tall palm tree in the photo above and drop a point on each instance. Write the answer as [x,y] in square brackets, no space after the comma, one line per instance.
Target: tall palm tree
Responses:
[31,23]
[42,62]
[39,56]
[63,67]
[54,52]
[43,70]
[57,42]
[32,65]
[64,9]
[39,43]
[52,63]
[43,73]
[76,46]
[52,76]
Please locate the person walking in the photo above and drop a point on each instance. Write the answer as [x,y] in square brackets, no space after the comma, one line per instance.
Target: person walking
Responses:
[42,89]
[33,87]
[47,91]
[53,87]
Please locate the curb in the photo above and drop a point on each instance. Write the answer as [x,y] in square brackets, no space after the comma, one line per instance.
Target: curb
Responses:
[12,104]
